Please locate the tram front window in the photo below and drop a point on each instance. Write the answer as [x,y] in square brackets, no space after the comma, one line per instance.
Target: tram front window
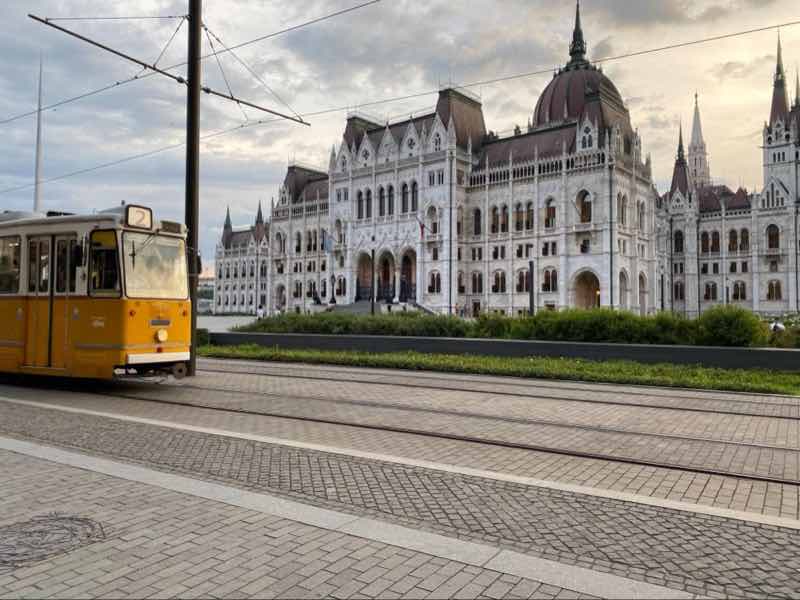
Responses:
[155,266]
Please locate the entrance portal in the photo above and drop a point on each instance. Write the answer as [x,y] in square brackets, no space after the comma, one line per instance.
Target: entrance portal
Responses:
[408,277]
[587,291]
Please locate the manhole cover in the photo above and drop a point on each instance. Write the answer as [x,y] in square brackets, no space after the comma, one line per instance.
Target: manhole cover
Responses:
[42,537]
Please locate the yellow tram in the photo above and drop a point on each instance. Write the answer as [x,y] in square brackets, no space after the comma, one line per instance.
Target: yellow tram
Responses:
[98,296]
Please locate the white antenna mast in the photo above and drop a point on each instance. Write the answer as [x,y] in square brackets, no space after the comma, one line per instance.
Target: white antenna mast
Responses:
[37,194]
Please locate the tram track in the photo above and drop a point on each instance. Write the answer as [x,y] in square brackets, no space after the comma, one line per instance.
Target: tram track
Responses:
[498,442]
[543,396]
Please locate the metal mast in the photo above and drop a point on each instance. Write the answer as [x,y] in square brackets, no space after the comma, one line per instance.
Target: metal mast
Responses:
[194,84]
[37,193]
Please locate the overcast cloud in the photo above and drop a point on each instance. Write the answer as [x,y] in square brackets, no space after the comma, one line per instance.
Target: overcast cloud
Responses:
[390,49]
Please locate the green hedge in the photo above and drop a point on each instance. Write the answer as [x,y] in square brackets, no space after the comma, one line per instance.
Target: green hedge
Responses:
[719,326]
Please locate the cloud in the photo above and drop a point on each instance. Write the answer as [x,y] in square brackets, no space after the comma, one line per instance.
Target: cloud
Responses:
[735,69]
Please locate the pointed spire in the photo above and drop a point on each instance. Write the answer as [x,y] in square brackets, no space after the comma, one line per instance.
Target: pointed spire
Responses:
[577,49]
[697,127]
[228,219]
[680,174]
[780,100]
[680,142]
[260,215]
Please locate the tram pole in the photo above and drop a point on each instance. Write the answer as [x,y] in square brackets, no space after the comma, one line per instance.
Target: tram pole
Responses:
[194,83]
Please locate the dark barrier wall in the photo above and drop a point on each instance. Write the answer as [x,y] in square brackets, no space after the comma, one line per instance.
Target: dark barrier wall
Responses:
[727,358]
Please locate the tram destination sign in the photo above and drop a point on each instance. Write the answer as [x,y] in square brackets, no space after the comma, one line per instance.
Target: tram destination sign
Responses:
[139,217]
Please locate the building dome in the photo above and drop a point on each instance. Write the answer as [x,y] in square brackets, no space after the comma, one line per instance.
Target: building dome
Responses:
[573,87]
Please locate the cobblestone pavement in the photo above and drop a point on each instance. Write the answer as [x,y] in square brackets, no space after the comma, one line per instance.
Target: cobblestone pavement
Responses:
[735,493]
[698,553]
[564,430]
[163,544]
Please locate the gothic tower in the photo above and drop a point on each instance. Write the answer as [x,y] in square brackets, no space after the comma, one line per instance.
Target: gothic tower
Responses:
[698,155]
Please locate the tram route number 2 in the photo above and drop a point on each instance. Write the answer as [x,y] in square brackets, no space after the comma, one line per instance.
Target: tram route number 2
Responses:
[139,217]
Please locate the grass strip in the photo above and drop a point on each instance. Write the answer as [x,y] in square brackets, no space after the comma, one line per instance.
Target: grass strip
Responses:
[535,367]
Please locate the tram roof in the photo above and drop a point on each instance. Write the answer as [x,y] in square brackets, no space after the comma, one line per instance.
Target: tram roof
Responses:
[114,216]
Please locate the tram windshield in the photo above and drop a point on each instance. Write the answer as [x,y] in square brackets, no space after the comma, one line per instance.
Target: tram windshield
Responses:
[155,266]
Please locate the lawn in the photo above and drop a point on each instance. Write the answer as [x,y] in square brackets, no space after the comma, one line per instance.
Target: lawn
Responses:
[612,371]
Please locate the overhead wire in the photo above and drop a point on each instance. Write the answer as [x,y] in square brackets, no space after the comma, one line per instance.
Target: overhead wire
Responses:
[224,76]
[182,64]
[405,97]
[148,18]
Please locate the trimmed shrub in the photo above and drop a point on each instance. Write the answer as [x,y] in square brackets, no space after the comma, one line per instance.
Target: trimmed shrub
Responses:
[203,337]
[731,326]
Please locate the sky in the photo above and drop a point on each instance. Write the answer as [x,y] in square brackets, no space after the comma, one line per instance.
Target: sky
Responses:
[390,49]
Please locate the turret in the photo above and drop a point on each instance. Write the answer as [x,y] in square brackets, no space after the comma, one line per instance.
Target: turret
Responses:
[227,228]
[680,173]
[577,48]
[260,229]
[698,156]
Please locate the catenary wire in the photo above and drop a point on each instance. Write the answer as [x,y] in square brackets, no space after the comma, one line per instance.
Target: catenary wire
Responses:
[224,76]
[377,102]
[175,66]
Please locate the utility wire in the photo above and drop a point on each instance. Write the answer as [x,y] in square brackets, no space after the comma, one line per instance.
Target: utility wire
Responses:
[395,99]
[172,67]
[169,43]
[152,18]
[251,71]
[224,77]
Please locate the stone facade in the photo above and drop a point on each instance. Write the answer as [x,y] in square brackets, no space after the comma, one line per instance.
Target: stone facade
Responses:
[437,212]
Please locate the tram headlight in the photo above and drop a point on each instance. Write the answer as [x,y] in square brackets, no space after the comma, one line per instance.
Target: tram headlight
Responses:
[162,336]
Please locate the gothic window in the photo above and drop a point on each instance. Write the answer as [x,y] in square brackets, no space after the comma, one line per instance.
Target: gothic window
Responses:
[739,291]
[680,293]
[622,210]
[529,215]
[477,222]
[495,220]
[477,283]
[518,217]
[773,237]
[365,155]
[677,244]
[710,292]
[435,285]
[360,204]
[733,241]
[504,220]
[381,202]
[585,207]
[744,240]
[550,281]
[414,197]
[523,281]
[390,205]
[499,286]
[437,143]
[368,212]
[715,242]
[344,163]
[774,292]
[404,198]
[550,214]
[704,242]
[642,224]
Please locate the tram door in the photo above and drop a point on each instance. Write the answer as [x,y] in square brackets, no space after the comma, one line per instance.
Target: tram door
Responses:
[51,283]
[37,346]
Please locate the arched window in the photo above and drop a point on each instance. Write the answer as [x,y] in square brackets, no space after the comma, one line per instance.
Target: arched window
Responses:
[774,291]
[477,222]
[704,242]
[711,292]
[414,197]
[519,217]
[360,204]
[435,286]
[677,244]
[252,269]
[381,202]
[550,281]
[504,220]
[499,286]
[550,214]
[227,271]
[739,291]
[715,242]
[390,205]
[523,281]
[404,198]
[529,215]
[585,207]
[495,220]
[368,212]
[437,143]
[773,237]
[642,224]
[477,283]
[680,293]
[733,241]
[744,240]
[236,271]
[622,210]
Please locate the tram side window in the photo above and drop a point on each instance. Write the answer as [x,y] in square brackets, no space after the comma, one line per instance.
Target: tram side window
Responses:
[66,267]
[39,266]
[104,266]
[9,265]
